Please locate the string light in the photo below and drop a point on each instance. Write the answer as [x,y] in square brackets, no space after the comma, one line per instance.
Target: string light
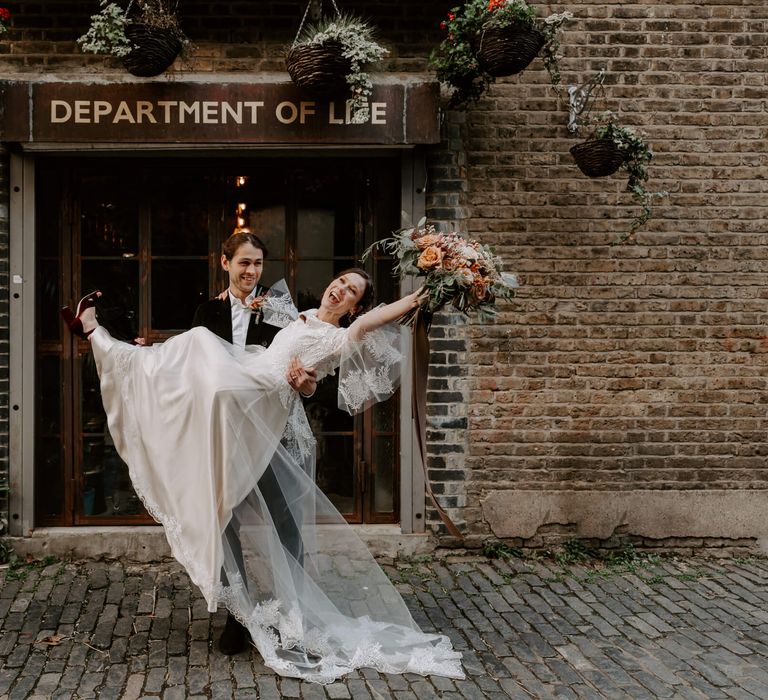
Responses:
[240,210]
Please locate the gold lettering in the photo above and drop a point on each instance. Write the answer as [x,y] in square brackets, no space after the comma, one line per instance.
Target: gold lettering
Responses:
[166,105]
[305,109]
[56,116]
[378,112]
[82,112]
[332,118]
[193,110]
[293,112]
[254,107]
[236,114]
[144,109]
[101,108]
[123,113]
[210,112]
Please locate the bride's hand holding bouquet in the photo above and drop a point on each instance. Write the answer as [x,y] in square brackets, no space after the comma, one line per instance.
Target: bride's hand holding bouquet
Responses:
[457,271]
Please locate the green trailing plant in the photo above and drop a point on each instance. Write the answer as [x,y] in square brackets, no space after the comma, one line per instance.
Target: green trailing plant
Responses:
[358,45]
[456,60]
[637,155]
[496,549]
[106,34]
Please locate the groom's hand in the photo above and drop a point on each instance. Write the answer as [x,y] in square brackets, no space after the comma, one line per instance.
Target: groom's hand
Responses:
[301,379]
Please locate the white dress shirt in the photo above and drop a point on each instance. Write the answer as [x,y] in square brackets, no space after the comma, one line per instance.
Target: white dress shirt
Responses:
[242,315]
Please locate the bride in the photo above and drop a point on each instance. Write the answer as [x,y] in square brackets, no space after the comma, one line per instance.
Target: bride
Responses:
[198,420]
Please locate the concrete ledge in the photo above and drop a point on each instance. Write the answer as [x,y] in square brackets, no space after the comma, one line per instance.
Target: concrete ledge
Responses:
[733,514]
[148,543]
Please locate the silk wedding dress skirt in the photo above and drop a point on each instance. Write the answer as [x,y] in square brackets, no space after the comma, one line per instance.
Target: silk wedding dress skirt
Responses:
[199,422]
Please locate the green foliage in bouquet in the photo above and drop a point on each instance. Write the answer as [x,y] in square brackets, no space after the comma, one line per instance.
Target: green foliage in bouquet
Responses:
[456,271]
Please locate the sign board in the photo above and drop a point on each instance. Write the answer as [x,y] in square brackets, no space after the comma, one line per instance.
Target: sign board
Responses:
[196,112]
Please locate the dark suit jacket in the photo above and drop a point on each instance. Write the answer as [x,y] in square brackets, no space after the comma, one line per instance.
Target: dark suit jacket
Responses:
[216,316]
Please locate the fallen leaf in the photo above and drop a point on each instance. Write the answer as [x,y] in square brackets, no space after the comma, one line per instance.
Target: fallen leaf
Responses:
[53,640]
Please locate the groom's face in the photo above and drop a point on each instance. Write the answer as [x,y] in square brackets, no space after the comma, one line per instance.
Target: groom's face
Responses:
[244,269]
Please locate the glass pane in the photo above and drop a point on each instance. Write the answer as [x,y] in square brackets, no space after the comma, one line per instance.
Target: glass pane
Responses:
[311,280]
[92,495]
[177,288]
[118,307]
[268,224]
[321,234]
[93,418]
[315,233]
[335,470]
[47,214]
[48,390]
[106,486]
[383,485]
[179,216]
[110,221]
[384,416]
[49,500]
[48,301]
[387,285]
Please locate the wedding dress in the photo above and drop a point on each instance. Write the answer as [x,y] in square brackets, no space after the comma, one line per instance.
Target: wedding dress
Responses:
[198,420]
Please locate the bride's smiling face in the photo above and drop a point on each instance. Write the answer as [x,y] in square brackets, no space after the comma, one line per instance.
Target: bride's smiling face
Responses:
[343,294]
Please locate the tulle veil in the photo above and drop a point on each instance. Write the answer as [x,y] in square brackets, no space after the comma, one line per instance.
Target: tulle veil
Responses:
[223,456]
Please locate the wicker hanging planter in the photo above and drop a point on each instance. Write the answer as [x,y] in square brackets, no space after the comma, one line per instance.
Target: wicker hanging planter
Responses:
[319,67]
[598,157]
[508,50]
[155,49]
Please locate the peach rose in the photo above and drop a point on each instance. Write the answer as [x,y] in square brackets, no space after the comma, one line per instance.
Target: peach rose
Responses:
[427,240]
[466,276]
[431,258]
[450,263]
[480,288]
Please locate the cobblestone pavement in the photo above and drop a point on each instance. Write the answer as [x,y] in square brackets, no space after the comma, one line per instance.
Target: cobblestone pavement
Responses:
[672,628]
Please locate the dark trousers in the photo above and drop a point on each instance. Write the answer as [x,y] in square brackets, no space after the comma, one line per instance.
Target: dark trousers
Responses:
[288,529]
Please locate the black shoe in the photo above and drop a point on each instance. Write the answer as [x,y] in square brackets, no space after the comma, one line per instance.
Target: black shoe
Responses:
[234,638]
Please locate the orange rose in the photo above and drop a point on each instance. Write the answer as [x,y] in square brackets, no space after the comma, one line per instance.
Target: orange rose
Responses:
[450,263]
[427,240]
[431,258]
[480,288]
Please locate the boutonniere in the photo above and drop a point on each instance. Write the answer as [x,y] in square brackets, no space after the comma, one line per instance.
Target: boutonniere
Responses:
[256,307]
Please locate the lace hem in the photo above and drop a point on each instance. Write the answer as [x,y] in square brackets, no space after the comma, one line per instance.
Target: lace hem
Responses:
[316,655]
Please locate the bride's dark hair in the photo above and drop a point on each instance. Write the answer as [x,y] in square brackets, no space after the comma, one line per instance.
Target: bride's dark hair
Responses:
[366,300]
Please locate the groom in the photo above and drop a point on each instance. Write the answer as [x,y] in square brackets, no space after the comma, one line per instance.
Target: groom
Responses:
[237,319]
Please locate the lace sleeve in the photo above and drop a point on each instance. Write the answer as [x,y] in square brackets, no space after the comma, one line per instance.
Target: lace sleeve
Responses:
[369,370]
[278,307]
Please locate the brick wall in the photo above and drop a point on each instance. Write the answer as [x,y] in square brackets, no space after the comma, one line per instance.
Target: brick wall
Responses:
[617,367]
[639,366]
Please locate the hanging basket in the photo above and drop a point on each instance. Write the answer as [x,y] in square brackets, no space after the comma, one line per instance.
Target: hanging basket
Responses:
[598,157]
[155,49]
[508,50]
[319,67]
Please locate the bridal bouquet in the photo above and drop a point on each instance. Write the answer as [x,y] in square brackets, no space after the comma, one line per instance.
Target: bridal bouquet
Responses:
[456,271]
